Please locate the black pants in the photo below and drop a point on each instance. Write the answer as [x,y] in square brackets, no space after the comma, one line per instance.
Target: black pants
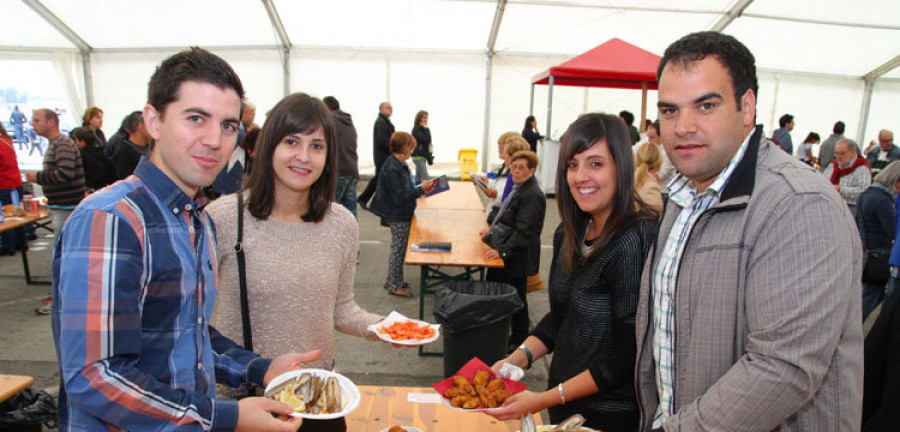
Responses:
[367,193]
[333,425]
[520,318]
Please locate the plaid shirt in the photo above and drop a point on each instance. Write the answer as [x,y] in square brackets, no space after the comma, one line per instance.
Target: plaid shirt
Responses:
[134,284]
[665,275]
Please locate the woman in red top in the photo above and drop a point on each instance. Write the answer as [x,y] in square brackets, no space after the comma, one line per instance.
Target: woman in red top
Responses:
[10,180]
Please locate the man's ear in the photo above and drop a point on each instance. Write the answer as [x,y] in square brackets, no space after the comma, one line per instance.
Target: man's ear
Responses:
[748,107]
[151,121]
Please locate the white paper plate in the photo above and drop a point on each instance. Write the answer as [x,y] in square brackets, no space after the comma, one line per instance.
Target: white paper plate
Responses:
[398,317]
[447,404]
[547,428]
[406,428]
[350,396]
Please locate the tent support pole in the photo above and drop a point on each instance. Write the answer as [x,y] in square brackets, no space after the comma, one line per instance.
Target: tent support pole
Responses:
[864,114]
[286,68]
[88,78]
[549,107]
[643,106]
[485,139]
[531,101]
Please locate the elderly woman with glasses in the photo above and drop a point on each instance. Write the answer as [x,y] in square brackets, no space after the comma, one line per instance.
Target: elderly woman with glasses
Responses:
[523,213]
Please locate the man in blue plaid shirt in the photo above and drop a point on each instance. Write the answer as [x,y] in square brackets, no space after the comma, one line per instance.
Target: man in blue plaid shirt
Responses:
[134,278]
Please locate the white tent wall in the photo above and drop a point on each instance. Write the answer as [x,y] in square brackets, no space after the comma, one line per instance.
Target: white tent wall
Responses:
[120,80]
[431,54]
[883,113]
[449,86]
[814,108]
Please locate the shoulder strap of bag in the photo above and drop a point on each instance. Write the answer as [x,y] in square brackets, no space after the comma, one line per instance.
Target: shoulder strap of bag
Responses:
[242,275]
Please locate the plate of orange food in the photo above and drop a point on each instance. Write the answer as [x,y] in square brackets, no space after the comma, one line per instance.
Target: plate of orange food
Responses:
[475,388]
[400,330]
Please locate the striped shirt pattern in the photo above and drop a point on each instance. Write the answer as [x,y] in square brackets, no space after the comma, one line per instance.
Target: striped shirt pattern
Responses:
[62,175]
[135,277]
[665,276]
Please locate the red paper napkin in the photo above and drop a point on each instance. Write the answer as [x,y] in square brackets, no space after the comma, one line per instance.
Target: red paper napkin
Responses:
[469,370]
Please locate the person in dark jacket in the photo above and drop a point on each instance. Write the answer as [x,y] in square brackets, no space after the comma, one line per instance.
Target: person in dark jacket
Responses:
[381,149]
[395,201]
[881,383]
[93,119]
[423,153]
[129,123]
[530,133]
[523,213]
[98,170]
[347,159]
[128,152]
[876,223]
[628,118]
[599,251]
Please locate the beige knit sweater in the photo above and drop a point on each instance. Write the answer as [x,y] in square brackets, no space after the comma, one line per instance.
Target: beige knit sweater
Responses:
[299,281]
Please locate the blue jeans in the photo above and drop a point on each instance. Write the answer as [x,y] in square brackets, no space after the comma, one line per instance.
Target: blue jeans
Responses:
[421,169]
[871,297]
[345,193]
[873,294]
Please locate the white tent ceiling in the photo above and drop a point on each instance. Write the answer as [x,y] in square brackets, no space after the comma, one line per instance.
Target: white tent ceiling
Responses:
[377,48]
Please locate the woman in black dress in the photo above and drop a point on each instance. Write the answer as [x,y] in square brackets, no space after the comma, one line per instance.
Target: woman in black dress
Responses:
[598,255]
[530,133]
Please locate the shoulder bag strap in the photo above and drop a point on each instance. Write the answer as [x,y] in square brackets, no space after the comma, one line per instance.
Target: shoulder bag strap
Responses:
[242,275]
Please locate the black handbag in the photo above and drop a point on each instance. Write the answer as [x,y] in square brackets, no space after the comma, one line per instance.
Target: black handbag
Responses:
[877,270]
[251,390]
[242,275]
[497,234]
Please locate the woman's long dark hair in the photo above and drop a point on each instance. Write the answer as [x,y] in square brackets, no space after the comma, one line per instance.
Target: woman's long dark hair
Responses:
[296,113]
[529,124]
[812,138]
[584,133]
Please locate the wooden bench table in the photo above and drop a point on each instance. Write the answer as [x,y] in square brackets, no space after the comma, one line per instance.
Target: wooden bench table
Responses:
[455,216]
[11,385]
[461,196]
[18,223]
[383,407]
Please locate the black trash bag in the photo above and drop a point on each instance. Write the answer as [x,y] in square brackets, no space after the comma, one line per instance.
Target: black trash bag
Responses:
[28,410]
[465,305]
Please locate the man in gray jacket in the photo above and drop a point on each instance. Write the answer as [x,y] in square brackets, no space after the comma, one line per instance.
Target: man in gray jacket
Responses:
[826,150]
[744,324]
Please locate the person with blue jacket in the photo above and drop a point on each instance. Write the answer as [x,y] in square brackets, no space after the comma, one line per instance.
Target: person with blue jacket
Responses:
[877,228]
[395,201]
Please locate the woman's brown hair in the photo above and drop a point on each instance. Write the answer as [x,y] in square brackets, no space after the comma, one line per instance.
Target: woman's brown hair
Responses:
[296,113]
[590,130]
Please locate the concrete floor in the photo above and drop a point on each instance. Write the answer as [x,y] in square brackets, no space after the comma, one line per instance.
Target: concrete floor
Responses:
[27,340]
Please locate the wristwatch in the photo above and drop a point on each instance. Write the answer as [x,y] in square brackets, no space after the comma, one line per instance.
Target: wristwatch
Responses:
[528,355]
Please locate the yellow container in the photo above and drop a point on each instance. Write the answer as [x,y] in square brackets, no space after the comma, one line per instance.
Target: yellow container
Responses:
[468,161]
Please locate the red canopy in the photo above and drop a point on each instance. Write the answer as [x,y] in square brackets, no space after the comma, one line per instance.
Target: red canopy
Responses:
[614,64]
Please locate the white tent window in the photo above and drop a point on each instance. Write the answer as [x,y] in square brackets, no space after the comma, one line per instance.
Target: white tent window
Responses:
[434,55]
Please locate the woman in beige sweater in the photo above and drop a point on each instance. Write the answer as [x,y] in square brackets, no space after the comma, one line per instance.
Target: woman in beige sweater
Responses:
[299,246]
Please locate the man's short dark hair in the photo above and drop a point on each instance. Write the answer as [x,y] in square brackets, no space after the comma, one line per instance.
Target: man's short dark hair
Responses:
[785,119]
[332,103]
[839,127]
[627,117]
[730,52]
[131,122]
[49,115]
[195,64]
[85,134]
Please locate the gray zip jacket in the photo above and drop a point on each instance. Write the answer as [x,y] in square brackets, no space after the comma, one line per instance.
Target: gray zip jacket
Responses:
[768,328]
